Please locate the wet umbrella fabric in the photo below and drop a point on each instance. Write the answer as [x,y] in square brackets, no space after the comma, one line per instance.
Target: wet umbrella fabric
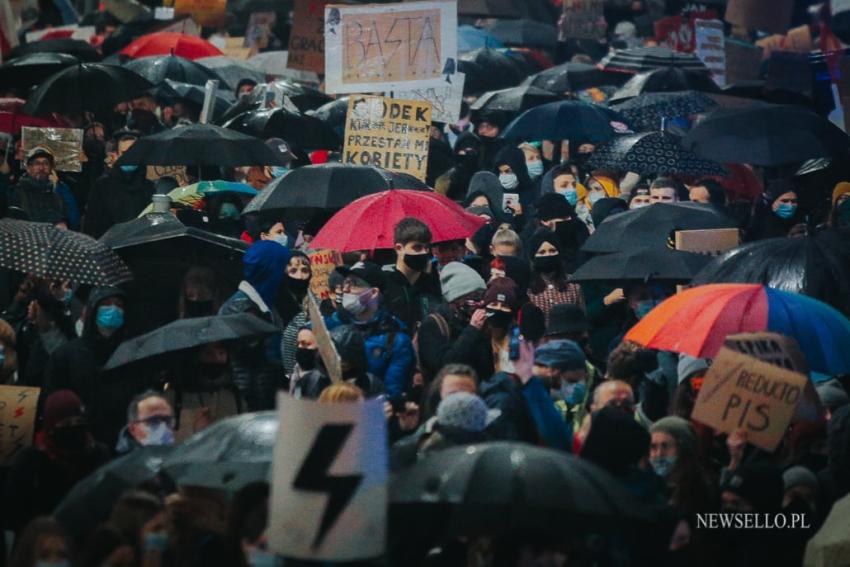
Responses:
[647,111]
[666,79]
[513,100]
[33,68]
[567,120]
[231,70]
[194,194]
[158,68]
[300,130]
[641,59]
[82,50]
[49,252]
[333,114]
[526,33]
[642,265]
[488,8]
[652,153]
[302,96]
[572,77]
[165,43]
[497,70]
[470,38]
[173,91]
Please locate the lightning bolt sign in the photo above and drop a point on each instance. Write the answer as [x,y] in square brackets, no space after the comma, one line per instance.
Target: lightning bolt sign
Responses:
[313,475]
[19,412]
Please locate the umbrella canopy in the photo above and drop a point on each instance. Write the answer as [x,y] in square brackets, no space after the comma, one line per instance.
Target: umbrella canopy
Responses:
[329,186]
[800,265]
[470,38]
[126,11]
[33,68]
[227,455]
[506,488]
[189,333]
[567,120]
[647,111]
[333,114]
[659,264]
[492,70]
[173,91]
[652,153]
[368,223]
[513,100]
[170,43]
[158,68]
[303,96]
[91,500]
[572,77]
[194,194]
[49,252]
[650,227]
[300,130]
[231,70]
[698,320]
[274,63]
[666,79]
[528,33]
[12,122]
[82,50]
[640,59]
[96,87]
[487,9]
[767,135]
[199,144]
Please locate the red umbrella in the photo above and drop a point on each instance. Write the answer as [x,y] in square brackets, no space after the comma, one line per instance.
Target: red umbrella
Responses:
[12,122]
[368,223]
[170,43]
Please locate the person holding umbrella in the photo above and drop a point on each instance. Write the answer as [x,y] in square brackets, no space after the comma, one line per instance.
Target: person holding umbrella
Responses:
[41,196]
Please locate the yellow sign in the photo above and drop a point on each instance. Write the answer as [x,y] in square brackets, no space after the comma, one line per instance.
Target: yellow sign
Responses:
[322,263]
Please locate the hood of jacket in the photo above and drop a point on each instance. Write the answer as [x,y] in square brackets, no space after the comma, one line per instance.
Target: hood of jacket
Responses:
[96,296]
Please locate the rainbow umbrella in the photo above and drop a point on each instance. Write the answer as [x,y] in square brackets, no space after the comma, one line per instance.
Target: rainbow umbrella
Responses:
[698,320]
[194,195]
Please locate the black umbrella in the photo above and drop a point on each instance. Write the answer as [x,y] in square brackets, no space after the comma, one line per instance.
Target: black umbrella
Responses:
[659,264]
[767,135]
[32,69]
[300,130]
[666,79]
[189,333]
[333,114]
[492,70]
[487,9]
[158,68]
[651,153]
[506,488]
[199,144]
[173,91]
[570,77]
[800,265]
[528,33]
[231,70]
[647,111]
[651,227]
[328,186]
[91,500]
[513,100]
[49,252]
[567,120]
[82,50]
[758,90]
[640,59]
[227,455]
[303,96]
[96,87]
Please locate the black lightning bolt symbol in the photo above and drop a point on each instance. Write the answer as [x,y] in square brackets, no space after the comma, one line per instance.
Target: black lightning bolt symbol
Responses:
[313,476]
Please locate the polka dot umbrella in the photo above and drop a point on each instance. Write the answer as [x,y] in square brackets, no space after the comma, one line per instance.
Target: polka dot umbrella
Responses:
[49,252]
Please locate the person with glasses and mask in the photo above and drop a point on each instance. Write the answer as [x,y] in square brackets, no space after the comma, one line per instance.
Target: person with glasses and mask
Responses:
[150,422]
[40,196]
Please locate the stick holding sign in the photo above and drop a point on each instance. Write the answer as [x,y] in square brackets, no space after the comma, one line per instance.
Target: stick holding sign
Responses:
[327,349]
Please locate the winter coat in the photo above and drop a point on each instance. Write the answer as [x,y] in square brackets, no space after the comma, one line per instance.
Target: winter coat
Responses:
[44,202]
[464,344]
[410,303]
[116,197]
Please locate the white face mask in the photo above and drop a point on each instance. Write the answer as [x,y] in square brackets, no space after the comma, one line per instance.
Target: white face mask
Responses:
[508,180]
[535,168]
[281,239]
[594,196]
[356,303]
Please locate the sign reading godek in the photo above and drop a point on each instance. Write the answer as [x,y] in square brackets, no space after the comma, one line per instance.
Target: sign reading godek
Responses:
[388,133]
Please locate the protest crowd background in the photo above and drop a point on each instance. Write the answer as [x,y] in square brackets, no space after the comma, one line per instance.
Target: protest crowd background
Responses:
[452,282]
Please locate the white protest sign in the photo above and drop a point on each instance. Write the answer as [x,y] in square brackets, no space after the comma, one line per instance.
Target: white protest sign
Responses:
[388,47]
[329,480]
[73,31]
[445,100]
[711,48]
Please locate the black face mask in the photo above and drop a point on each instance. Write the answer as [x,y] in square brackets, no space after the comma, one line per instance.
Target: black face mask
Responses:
[306,358]
[468,161]
[71,439]
[199,308]
[298,287]
[547,264]
[417,262]
[499,319]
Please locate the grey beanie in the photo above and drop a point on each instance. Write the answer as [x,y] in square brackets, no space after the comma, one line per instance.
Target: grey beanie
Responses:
[832,394]
[688,366]
[457,279]
[800,476]
[680,429]
[462,411]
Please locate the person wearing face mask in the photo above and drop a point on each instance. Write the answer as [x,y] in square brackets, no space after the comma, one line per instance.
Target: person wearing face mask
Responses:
[43,543]
[555,214]
[63,453]
[306,356]
[150,422]
[488,126]
[224,213]
[281,148]
[533,160]
[839,217]
[40,194]
[673,457]
[265,229]
[512,354]
[291,305]
[563,367]
[776,213]
[640,197]
[598,188]
[200,295]
[550,283]
[509,165]
[120,195]
[466,156]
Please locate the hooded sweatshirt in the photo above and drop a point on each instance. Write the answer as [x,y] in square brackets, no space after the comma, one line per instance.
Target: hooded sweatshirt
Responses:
[514,158]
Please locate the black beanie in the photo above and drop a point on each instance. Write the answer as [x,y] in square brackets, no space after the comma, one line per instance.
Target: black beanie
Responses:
[553,206]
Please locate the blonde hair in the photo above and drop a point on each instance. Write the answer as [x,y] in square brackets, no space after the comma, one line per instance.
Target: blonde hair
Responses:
[10,364]
[506,236]
[342,392]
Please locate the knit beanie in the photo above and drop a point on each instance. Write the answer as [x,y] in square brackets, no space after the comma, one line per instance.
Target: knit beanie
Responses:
[553,206]
[800,476]
[457,279]
[679,429]
[561,354]
[760,484]
[840,189]
[689,365]
[462,411]
[501,290]
[61,405]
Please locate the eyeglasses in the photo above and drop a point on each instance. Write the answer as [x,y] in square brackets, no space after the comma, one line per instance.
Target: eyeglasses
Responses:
[155,420]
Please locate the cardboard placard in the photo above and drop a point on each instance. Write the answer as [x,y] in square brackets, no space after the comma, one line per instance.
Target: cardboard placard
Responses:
[789,71]
[183,24]
[743,61]
[209,13]
[327,349]
[385,47]
[762,15]
[307,38]
[66,144]
[582,19]
[390,133]
[18,407]
[329,480]
[322,263]
[742,392]
[178,172]
[234,47]
[445,100]
[712,241]
[710,47]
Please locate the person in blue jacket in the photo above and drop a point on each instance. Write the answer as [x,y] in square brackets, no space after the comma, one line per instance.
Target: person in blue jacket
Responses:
[389,349]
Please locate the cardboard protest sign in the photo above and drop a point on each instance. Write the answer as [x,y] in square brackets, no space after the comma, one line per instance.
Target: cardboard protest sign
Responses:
[66,144]
[73,31]
[445,100]
[209,13]
[710,47]
[582,19]
[327,349]
[17,420]
[384,47]
[183,24]
[742,392]
[712,241]
[322,263]
[259,29]
[307,38]
[329,480]
[762,15]
[390,133]
[675,32]
[234,47]
[178,172]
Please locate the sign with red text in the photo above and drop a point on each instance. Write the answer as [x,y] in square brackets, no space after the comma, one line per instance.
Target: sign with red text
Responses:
[322,263]
[17,420]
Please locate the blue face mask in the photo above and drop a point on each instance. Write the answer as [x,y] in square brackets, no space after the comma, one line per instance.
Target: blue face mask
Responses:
[129,168]
[159,434]
[281,239]
[535,168]
[662,465]
[644,307]
[156,541]
[786,210]
[228,211]
[110,317]
[278,171]
[263,559]
[571,195]
[69,295]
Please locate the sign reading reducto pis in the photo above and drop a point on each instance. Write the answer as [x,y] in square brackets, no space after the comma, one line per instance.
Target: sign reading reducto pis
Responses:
[388,133]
